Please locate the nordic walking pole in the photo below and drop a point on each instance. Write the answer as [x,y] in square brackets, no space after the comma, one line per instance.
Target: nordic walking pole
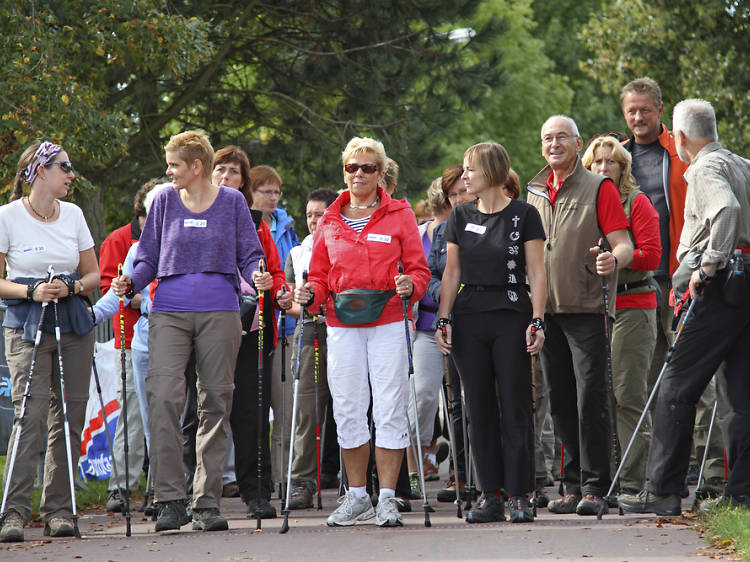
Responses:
[284,343]
[123,377]
[705,457]
[610,377]
[464,430]
[451,435]
[405,308]
[670,352]
[66,425]
[259,473]
[26,396]
[561,487]
[316,377]
[292,430]
[107,433]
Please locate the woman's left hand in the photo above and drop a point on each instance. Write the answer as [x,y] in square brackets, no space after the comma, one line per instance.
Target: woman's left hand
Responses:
[534,342]
[284,299]
[262,281]
[404,285]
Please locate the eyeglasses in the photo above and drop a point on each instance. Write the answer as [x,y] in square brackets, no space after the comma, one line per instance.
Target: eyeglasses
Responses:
[65,166]
[366,168]
[270,194]
[457,194]
[562,137]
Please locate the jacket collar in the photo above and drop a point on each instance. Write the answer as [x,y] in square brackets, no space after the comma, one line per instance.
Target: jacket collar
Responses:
[538,185]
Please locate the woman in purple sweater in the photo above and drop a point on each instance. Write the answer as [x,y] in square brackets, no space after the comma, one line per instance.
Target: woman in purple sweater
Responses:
[196,237]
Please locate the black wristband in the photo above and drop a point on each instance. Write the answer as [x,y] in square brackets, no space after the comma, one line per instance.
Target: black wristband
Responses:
[30,288]
[311,300]
[443,322]
[70,283]
[537,323]
[130,293]
[704,277]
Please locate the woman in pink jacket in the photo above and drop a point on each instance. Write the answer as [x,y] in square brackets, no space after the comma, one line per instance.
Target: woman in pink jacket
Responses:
[361,239]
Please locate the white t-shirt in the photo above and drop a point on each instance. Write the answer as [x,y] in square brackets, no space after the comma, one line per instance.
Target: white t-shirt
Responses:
[31,246]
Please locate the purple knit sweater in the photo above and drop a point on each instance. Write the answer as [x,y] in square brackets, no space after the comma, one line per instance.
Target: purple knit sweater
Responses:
[176,241]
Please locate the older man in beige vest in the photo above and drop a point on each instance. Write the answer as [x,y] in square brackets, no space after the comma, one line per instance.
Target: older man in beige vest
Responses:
[578,209]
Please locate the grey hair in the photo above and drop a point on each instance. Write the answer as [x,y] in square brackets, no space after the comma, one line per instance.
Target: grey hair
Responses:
[696,118]
[566,118]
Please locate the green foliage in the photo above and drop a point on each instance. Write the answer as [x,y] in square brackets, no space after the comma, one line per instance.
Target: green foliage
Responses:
[692,48]
[728,528]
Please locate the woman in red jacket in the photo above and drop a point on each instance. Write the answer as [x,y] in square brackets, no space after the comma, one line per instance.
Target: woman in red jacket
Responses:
[634,330]
[231,169]
[361,239]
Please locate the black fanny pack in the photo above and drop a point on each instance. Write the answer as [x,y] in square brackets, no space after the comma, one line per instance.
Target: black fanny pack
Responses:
[360,306]
[248,305]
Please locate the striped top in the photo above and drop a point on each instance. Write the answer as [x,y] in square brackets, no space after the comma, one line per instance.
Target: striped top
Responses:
[356,224]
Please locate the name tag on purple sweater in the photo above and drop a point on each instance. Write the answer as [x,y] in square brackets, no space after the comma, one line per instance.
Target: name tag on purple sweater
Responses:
[195,223]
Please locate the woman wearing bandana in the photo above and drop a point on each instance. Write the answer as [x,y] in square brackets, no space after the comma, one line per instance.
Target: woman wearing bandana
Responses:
[37,231]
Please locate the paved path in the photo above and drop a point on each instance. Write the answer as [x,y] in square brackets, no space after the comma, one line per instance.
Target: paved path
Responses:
[550,537]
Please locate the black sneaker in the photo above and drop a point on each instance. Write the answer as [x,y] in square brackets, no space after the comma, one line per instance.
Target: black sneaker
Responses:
[648,502]
[302,495]
[490,508]
[172,516]
[519,510]
[443,448]
[564,505]
[692,475]
[208,519]
[591,504]
[711,488]
[541,499]
[260,507]
[402,505]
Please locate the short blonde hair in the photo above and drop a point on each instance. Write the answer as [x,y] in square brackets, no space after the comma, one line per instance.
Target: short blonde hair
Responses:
[191,146]
[359,145]
[619,155]
[492,160]
[436,200]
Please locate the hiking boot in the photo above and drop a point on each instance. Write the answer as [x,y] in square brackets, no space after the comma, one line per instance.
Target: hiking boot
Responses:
[448,492]
[541,499]
[490,508]
[351,510]
[519,510]
[208,519]
[430,469]
[172,515]
[11,526]
[692,475]
[648,502]
[416,485]
[403,505]
[114,502]
[724,502]
[59,527]
[231,490]
[591,504]
[564,505]
[386,514]
[711,488]
[302,495]
[260,507]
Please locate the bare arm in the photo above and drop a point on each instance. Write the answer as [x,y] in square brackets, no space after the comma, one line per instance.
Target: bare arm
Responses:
[537,276]
[448,292]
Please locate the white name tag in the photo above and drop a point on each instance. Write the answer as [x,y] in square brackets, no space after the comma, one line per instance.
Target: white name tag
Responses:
[385,238]
[195,223]
[475,228]
[34,250]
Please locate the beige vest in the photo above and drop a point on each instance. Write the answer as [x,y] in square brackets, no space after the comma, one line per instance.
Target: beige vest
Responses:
[572,227]
[628,275]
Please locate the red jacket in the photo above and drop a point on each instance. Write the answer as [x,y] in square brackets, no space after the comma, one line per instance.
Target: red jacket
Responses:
[345,259]
[112,253]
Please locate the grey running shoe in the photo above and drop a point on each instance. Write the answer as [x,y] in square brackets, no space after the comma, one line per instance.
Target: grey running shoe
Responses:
[387,515]
[208,519]
[648,502]
[302,495]
[566,504]
[11,526]
[59,527]
[114,503]
[351,510]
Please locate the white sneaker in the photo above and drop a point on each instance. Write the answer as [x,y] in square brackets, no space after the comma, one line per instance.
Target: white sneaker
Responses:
[351,510]
[387,515]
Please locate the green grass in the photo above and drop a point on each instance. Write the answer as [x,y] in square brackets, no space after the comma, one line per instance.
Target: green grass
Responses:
[728,529]
[93,498]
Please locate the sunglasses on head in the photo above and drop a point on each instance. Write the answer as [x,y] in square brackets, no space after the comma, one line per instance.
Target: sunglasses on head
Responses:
[366,168]
[65,166]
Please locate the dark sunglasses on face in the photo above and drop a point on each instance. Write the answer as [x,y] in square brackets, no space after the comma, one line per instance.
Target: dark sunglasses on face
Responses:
[366,168]
[65,166]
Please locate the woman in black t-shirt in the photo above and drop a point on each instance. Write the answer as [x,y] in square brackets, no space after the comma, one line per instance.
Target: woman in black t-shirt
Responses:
[495,244]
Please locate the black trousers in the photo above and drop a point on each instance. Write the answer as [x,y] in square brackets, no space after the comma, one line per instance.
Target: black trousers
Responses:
[490,349]
[574,362]
[715,332]
[456,417]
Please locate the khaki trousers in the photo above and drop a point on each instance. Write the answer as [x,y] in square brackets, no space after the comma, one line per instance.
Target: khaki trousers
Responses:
[44,405]
[172,336]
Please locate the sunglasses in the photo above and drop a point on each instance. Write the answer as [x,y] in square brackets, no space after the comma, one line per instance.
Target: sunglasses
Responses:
[366,168]
[65,166]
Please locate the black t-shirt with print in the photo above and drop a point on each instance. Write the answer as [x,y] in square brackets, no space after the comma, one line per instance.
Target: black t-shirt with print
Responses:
[491,251]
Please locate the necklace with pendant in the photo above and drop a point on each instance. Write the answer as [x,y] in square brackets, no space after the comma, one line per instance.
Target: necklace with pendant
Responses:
[362,207]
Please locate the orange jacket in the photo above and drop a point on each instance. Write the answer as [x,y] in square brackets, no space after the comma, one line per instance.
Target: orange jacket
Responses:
[677,190]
